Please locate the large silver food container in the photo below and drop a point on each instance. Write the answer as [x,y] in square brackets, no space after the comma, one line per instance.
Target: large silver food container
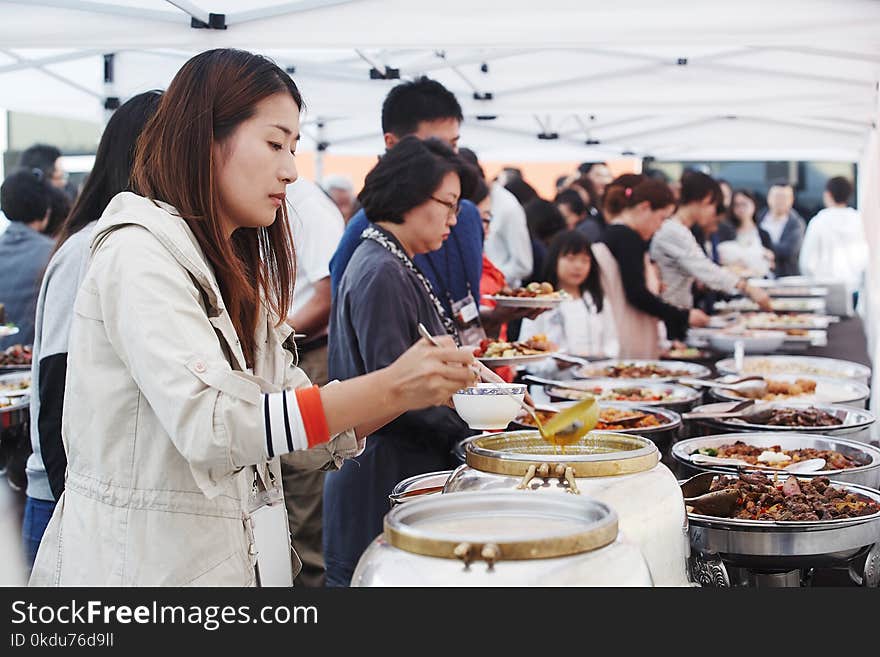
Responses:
[855,422]
[681,398]
[828,391]
[621,470]
[867,474]
[807,366]
[693,370]
[501,539]
[784,546]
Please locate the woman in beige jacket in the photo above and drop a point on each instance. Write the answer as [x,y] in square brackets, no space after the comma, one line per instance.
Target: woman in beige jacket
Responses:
[181,393]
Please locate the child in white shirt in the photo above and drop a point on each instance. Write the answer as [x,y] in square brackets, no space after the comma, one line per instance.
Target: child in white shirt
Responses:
[583,325]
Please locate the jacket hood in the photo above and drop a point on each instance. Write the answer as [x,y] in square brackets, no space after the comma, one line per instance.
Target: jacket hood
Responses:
[163,222]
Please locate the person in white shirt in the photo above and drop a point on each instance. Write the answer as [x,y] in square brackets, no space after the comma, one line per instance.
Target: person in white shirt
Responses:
[508,244]
[835,248]
[582,325]
[317,226]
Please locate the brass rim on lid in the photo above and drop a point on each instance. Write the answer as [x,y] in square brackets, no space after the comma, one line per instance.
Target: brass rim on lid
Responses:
[598,454]
[588,525]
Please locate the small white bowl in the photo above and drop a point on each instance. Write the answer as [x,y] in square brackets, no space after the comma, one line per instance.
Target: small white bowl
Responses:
[486,406]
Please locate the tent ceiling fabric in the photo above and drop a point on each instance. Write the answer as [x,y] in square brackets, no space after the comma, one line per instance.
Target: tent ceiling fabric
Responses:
[675,80]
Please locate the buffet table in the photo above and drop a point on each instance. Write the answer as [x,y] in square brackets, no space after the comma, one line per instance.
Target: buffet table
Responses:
[846,341]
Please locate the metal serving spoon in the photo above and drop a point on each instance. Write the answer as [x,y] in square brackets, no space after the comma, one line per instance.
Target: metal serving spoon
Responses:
[740,409]
[800,467]
[754,387]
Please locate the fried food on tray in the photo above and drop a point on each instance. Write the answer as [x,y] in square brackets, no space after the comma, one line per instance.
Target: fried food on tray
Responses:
[532,290]
[777,390]
[765,498]
[801,417]
[636,371]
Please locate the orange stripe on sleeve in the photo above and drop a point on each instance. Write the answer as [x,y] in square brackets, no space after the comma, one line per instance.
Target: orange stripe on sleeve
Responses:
[312,413]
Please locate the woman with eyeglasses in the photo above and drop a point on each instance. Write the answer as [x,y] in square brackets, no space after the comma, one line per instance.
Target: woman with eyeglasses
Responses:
[411,196]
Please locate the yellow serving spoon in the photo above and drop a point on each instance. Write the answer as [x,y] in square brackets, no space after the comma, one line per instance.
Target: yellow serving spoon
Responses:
[571,424]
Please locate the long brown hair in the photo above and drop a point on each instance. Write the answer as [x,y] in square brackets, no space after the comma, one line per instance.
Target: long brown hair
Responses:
[209,97]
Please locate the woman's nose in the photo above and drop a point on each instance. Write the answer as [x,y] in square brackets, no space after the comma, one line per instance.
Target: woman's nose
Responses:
[288,173]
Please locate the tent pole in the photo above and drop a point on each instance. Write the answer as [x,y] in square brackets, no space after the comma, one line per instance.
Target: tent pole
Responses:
[111,100]
[319,154]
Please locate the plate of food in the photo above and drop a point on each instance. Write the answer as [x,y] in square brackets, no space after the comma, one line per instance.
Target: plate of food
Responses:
[804,365]
[792,322]
[642,370]
[498,353]
[668,395]
[687,353]
[7,329]
[801,388]
[790,416]
[15,385]
[533,295]
[777,304]
[636,420]
[772,498]
[15,358]
[846,460]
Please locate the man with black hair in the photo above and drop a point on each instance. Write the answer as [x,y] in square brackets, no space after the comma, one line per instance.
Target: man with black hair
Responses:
[571,206]
[425,108]
[678,255]
[24,251]
[45,158]
[835,248]
[785,227]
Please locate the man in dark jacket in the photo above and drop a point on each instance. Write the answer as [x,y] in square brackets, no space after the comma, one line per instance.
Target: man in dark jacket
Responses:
[786,229]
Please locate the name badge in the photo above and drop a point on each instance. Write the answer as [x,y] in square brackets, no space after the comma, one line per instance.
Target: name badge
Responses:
[268,519]
[466,315]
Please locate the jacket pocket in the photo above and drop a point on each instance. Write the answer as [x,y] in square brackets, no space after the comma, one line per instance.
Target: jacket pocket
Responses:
[220,377]
[88,304]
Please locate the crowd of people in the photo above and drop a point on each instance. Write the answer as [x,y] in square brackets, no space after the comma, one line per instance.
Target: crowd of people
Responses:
[213,335]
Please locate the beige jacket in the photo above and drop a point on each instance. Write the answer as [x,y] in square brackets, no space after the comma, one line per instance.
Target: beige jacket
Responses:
[637,331]
[162,427]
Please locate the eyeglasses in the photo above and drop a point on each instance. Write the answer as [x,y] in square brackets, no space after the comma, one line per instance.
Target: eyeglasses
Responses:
[453,207]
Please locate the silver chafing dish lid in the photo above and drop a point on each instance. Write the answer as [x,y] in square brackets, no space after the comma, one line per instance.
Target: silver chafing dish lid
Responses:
[500,525]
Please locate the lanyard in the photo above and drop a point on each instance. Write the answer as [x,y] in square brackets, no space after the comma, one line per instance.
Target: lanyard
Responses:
[378,236]
[445,283]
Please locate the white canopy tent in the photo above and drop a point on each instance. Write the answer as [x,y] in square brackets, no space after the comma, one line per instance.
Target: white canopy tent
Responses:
[555,80]
[792,79]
